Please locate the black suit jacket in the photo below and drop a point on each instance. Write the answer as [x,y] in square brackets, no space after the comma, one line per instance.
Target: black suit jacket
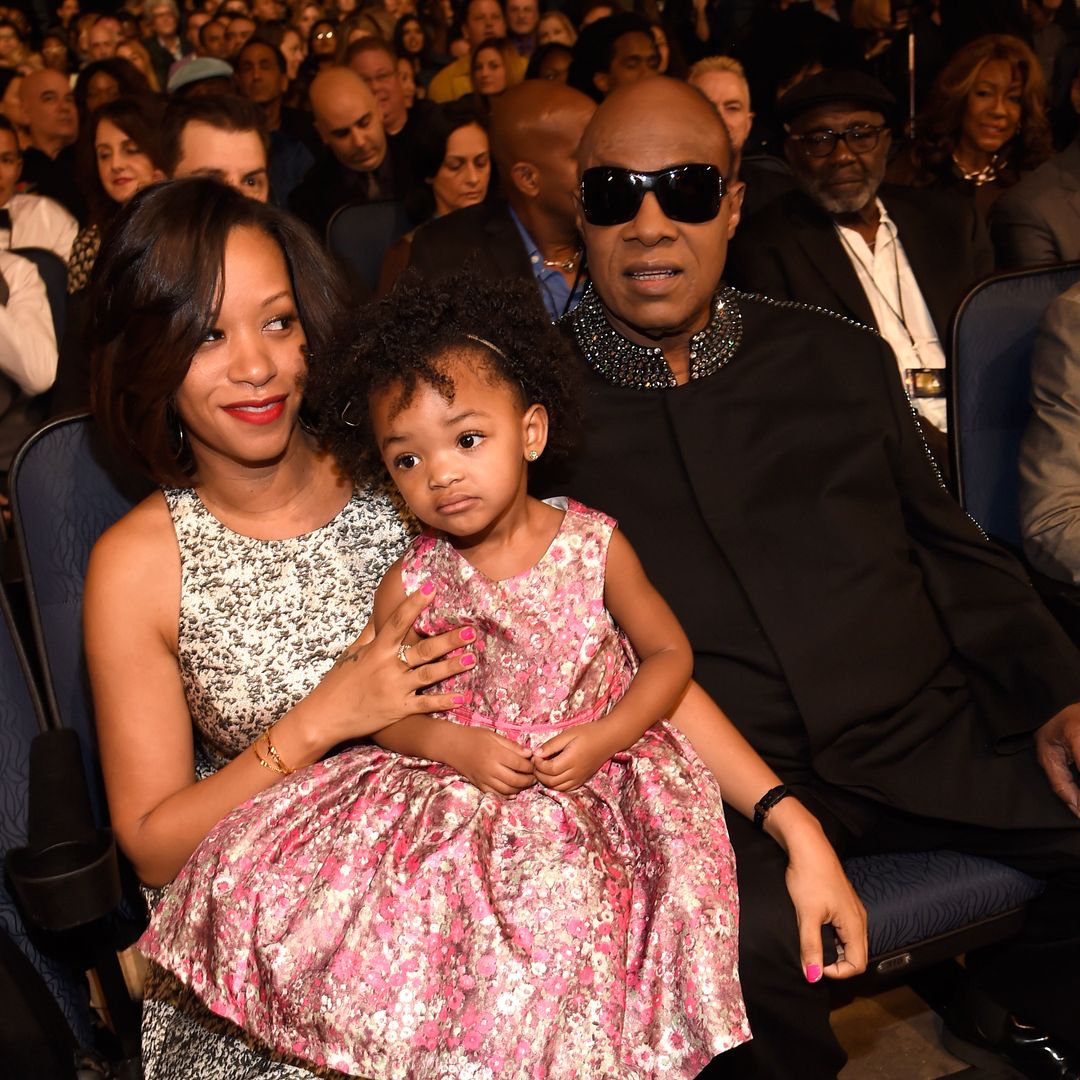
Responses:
[790,251]
[918,657]
[484,237]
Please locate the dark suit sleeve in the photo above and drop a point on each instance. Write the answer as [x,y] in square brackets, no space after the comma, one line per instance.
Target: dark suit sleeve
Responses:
[754,265]
[994,618]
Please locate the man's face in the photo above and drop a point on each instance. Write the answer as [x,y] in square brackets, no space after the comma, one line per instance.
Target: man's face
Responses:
[731,98]
[213,40]
[236,158]
[196,21]
[10,166]
[240,28]
[9,42]
[268,10]
[657,275]
[841,182]
[380,73]
[484,19]
[633,57]
[352,128]
[523,16]
[49,103]
[258,76]
[103,39]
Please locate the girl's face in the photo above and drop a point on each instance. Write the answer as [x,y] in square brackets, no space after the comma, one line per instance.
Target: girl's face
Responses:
[994,107]
[292,48]
[461,465]
[489,72]
[240,398]
[122,166]
[463,176]
[408,81]
[552,28]
[412,37]
[101,89]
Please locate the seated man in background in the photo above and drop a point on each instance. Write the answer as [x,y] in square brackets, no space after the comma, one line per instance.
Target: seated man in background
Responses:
[535,130]
[894,259]
[29,220]
[612,52]
[1037,221]
[894,667]
[1050,452]
[49,166]
[217,136]
[28,353]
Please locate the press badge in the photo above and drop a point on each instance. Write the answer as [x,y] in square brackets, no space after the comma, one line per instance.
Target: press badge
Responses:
[924,382]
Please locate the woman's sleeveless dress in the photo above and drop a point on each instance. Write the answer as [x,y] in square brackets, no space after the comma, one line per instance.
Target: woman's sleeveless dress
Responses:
[381,915]
[261,621]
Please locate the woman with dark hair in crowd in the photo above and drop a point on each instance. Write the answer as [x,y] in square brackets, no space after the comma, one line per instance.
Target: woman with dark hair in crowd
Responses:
[495,66]
[11,104]
[322,48]
[103,81]
[550,62]
[225,615]
[411,42]
[453,156]
[984,125]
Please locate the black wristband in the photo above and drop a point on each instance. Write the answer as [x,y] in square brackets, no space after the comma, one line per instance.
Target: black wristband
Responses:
[767,802]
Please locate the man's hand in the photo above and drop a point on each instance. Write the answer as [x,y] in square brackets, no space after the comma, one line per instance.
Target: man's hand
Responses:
[565,762]
[1057,746]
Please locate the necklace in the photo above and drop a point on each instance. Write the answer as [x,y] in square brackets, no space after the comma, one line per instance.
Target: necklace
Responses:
[986,175]
[566,266]
[638,367]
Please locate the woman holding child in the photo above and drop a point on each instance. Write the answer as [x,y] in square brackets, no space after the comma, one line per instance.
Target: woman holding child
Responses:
[239,595]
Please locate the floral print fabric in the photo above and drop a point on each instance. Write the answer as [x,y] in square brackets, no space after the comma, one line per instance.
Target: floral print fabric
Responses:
[380,915]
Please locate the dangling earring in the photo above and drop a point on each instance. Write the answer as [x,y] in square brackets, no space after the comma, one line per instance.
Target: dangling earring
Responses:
[173,418]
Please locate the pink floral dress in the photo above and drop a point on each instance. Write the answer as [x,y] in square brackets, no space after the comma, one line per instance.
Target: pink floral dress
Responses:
[380,915]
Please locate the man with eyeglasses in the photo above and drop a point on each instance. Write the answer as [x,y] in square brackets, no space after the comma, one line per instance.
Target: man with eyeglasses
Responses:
[896,259]
[892,665]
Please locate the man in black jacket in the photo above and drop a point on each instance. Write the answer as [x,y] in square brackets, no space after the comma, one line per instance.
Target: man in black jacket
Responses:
[895,259]
[892,665]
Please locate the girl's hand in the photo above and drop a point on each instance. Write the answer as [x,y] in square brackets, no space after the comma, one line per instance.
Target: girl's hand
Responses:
[369,687]
[822,894]
[565,762]
[488,760]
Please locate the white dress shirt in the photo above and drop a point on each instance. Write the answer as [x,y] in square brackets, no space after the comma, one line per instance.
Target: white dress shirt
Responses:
[39,222]
[27,339]
[901,314]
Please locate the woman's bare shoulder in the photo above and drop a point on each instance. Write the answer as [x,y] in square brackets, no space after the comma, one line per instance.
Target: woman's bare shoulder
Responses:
[139,549]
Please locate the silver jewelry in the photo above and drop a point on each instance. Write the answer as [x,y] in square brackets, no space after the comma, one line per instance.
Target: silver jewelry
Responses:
[403,654]
[345,413]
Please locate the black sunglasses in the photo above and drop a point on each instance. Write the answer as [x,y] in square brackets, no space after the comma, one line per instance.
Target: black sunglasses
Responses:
[689,193]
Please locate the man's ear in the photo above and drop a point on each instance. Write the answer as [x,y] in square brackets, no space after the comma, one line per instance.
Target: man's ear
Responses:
[525,176]
[735,193]
[602,81]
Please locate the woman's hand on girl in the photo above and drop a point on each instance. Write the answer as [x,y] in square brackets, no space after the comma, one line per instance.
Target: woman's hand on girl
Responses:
[567,761]
[370,686]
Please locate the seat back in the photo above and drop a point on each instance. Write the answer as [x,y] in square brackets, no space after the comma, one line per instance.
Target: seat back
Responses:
[360,236]
[990,379]
[66,490]
[21,719]
[53,273]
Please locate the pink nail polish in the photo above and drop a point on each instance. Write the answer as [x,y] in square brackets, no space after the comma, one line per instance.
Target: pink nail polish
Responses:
[467,634]
[427,588]
[468,660]
[459,700]
[813,973]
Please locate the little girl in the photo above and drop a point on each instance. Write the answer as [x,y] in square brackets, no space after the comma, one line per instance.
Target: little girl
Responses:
[540,884]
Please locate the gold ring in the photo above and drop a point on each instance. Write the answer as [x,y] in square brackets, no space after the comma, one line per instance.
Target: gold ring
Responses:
[403,654]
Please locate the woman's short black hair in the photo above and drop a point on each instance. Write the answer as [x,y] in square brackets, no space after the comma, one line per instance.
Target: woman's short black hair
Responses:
[156,292]
[404,340]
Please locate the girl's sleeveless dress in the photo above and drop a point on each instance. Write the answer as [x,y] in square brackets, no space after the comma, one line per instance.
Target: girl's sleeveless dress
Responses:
[380,915]
[261,621]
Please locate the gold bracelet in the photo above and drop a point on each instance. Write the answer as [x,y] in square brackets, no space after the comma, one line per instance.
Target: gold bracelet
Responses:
[271,749]
[261,760]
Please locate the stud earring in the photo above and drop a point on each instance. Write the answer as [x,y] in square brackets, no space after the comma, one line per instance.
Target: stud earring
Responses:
[533,455]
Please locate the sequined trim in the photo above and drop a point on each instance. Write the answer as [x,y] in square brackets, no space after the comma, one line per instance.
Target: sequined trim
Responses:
[636,367]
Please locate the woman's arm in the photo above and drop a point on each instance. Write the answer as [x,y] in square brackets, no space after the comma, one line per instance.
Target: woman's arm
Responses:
[568,760]
[131,605]
[820,891]
[485,758]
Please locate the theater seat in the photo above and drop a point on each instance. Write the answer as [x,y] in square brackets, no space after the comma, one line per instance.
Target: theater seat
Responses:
[360,236]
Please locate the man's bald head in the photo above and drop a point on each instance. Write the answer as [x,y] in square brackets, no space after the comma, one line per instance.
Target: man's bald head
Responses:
[640,124]
[657,271]
[347,119]
[536,127]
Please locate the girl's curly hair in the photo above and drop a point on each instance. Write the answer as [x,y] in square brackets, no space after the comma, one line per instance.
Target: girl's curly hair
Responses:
[404,339]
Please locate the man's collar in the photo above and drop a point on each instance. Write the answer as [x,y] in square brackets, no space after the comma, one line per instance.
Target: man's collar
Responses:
[636,367]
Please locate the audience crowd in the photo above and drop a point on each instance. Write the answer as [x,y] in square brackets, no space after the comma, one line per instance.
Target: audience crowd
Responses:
[884,158]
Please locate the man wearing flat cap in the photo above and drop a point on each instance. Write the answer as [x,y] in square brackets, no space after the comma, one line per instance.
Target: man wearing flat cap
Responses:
[896,259]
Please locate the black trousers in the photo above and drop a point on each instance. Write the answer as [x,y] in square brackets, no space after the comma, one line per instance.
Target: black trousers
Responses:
[1036,975]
